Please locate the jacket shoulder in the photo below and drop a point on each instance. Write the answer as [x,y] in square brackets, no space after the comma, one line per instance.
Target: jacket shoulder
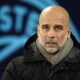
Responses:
[12,70]
[16,63]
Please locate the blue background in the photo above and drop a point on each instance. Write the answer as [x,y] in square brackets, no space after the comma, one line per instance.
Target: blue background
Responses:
[19,19]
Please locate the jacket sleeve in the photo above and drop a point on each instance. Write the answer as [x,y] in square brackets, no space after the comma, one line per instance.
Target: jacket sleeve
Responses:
[10,72]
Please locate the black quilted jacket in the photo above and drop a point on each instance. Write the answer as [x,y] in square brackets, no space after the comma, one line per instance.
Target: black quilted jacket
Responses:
[33,66]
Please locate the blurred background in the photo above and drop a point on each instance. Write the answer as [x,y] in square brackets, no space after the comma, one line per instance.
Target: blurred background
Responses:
[19,19]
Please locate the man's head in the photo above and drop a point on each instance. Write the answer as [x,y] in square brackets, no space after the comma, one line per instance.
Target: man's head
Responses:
[53,29]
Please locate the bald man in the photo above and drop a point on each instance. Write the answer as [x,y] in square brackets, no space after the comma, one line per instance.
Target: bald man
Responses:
[51,54]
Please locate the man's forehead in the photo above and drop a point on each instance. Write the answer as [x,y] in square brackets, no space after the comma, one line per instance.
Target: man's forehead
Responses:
[52,20]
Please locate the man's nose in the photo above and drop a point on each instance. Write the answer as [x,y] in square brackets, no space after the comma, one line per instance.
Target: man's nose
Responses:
[51,34]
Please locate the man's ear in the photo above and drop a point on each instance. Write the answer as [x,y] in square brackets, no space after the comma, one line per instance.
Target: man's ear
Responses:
[69,32]
[38,28]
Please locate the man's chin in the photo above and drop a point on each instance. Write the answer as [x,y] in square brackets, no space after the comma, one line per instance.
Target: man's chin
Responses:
[52,50]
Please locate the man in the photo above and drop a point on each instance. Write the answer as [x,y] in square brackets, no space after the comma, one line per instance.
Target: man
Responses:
[51,54]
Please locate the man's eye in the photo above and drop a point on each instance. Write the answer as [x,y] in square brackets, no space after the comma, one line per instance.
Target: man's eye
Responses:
[58,27]
[45,27]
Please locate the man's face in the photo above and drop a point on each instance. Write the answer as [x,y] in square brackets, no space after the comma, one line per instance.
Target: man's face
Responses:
[53,32]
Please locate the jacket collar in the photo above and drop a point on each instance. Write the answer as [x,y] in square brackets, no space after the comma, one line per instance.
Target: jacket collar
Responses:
[32,56]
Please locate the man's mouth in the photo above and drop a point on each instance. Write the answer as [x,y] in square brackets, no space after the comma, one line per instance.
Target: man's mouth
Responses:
[51,44]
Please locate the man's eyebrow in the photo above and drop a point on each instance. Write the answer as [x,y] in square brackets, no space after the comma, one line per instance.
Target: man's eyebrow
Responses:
[45,24]
[58,25]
